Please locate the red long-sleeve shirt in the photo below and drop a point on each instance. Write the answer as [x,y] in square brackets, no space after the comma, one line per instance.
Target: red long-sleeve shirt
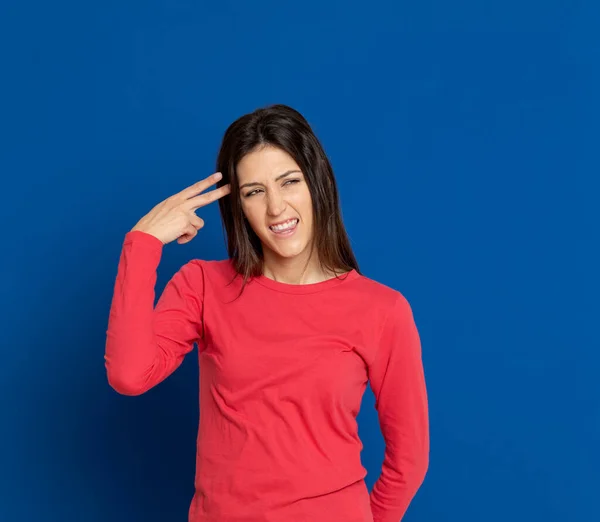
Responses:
[283,369]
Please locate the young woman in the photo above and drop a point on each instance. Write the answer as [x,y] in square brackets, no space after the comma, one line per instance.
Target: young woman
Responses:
[288,331]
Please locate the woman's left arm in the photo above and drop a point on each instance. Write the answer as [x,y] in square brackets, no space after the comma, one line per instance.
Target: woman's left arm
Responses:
[398,383]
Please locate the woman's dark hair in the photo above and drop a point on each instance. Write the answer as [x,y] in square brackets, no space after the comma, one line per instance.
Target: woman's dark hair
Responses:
[283,127]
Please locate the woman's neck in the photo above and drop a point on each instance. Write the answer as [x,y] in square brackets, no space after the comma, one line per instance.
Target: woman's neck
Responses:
[296,270]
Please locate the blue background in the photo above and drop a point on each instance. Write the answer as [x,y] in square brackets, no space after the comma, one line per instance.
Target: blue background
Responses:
[464,136]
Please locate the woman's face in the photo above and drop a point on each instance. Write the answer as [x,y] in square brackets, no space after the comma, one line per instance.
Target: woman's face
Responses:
[273,191]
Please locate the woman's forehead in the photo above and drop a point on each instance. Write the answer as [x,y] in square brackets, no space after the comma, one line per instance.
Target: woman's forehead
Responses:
[265,164]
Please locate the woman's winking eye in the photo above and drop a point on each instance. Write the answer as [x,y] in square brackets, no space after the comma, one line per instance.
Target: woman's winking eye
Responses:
[252,192]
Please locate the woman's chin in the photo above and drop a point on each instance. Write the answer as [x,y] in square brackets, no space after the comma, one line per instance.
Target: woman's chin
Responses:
[287,251]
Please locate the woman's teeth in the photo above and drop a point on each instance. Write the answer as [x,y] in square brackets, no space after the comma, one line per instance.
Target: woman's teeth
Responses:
[284,226]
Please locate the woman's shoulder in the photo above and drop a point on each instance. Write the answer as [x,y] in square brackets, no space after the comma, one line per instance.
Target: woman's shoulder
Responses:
[211,268]
[207,276]
[377,288]
[213,264]
[379,295]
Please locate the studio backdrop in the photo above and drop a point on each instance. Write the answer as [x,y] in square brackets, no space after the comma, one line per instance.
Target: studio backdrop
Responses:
[463,136]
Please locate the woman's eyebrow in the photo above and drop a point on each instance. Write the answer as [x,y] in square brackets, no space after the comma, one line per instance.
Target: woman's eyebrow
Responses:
[286,173]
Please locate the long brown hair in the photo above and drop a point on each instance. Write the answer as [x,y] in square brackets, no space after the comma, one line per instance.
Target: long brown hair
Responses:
[283,127]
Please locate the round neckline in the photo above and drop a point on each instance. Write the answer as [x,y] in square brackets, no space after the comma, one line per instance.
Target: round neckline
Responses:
[308,288]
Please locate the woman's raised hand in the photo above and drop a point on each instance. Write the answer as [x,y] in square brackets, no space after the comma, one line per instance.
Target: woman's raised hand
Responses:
[175,217]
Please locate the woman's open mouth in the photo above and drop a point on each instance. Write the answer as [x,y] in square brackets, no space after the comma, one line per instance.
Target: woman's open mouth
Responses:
[286,228]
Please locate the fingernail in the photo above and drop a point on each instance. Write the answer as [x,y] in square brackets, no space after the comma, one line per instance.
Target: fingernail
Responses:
[218,175]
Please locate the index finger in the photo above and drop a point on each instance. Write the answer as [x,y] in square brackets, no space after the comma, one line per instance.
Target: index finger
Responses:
[200,186]
[208,197]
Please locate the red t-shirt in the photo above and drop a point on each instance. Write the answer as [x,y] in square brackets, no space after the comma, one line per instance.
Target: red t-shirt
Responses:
[283,369]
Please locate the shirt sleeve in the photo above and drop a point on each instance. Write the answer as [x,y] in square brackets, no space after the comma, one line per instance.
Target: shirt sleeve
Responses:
[398,384]
[146,343]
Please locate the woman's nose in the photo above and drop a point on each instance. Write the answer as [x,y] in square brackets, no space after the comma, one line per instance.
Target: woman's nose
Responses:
[275,204]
